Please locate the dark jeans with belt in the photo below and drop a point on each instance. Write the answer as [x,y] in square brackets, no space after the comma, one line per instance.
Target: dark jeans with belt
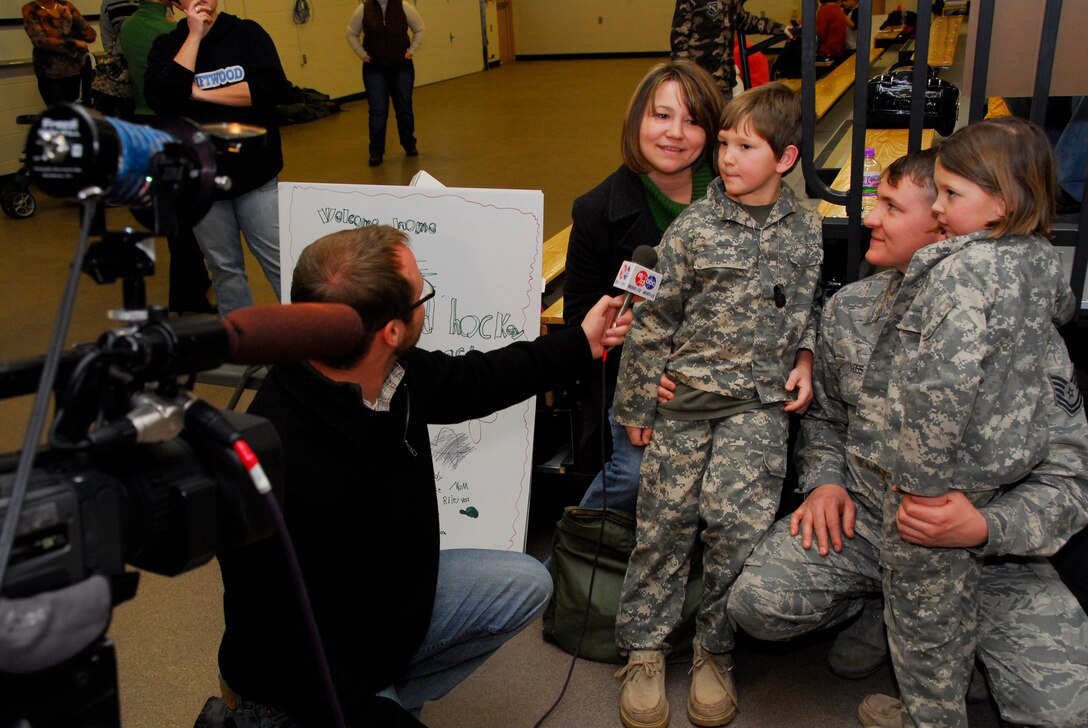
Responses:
[381,84]
[58,90]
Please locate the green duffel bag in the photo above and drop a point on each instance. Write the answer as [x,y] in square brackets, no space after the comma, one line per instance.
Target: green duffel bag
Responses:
[573,547]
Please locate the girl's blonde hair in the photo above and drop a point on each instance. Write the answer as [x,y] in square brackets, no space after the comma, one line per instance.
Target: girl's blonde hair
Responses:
[1011,158]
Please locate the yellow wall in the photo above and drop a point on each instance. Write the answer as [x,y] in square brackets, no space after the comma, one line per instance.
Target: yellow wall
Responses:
[546,27]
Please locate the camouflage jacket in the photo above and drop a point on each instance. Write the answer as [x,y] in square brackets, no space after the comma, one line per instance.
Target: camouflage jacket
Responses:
[714,324]
[845,425]
[968,395]
[702,31]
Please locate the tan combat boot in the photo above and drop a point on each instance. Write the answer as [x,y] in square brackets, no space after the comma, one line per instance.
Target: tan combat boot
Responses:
[713,697]
[642,698]
[881,711]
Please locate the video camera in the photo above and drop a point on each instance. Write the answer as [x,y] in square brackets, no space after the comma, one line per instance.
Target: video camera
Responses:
[166,508]
[138,472]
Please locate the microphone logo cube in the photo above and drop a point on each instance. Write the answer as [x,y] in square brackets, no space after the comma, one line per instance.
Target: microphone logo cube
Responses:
[638,280]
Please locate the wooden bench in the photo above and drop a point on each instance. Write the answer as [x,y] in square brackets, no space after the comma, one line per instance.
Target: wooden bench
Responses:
[956,7]
[887,36]
[889,144]
[555,255]
[553,266]
[944,34]
[552,316]
[832,86]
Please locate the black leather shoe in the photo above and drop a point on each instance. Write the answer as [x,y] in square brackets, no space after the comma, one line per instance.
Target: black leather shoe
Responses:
[413,152]
[375,160]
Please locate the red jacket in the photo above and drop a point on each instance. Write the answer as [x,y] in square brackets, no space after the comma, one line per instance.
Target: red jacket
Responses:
[831,29]
[758,67]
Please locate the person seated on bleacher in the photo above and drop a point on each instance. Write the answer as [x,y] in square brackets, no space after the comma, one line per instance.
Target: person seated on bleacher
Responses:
[666,143]
[1031,631]
[831,29]
[850,9]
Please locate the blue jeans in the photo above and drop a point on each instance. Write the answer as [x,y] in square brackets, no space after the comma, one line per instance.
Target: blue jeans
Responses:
[483,599]
[255,215]
[622,472]
[382,83]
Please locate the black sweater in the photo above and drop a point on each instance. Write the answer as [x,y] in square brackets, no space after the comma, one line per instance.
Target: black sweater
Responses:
[232,51]
[363,515]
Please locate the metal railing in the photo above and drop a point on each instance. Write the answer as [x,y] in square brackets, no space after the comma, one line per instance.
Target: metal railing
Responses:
[1067,234]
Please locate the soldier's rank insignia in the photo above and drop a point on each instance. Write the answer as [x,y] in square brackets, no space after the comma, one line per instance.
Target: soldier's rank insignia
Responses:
[1066,394]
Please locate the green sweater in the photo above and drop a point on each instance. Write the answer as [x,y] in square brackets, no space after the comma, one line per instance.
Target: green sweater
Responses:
[137,34]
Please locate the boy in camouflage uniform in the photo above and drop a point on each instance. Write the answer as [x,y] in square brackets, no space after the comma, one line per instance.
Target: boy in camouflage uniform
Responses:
[1032,634]
[733,326]
[702,31]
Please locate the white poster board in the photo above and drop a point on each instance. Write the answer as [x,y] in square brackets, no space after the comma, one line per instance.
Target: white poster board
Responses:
[481,250]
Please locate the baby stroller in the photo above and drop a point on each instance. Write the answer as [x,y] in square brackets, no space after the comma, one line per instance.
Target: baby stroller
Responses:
[16,200]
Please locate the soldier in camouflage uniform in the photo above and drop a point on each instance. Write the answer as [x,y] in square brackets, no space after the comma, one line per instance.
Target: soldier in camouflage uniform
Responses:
[1032,634]
[733,326]
[702,31]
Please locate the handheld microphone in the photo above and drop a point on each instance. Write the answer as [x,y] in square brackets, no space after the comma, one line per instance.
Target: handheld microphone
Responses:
[638,278]
[253,335]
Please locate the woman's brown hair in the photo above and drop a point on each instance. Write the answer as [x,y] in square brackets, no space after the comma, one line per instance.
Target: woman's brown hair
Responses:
[697,89]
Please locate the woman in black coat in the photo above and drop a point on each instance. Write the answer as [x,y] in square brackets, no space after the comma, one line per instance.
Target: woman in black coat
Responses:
[667,141]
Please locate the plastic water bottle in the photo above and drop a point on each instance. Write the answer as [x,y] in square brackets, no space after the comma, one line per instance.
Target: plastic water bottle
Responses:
[870,179]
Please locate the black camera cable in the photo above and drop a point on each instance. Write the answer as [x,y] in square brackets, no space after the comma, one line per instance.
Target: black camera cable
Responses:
[79,407]
[605,430]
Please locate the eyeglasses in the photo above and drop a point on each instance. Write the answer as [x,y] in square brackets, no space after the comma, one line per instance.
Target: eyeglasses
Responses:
[426,295]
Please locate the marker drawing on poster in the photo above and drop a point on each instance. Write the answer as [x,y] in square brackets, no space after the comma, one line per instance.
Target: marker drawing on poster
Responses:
[481,250]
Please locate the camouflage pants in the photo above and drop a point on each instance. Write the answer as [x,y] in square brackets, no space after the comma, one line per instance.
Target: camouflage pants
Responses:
[1032,635]
[727,472]
[931,615]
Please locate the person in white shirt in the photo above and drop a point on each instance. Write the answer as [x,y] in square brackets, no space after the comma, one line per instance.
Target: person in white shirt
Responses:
[378,33]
